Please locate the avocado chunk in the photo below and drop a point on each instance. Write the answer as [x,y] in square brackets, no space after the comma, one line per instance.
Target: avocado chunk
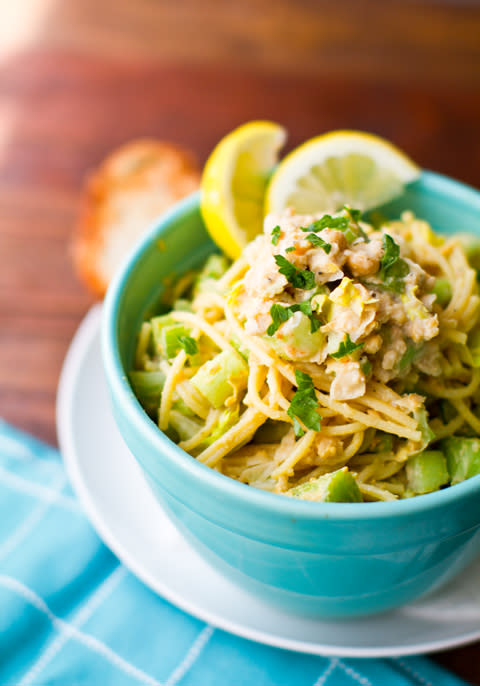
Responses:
[427,472]
[463,457]
[337,487]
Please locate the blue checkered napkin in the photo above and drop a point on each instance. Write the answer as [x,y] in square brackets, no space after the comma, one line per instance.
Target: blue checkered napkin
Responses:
[71,615]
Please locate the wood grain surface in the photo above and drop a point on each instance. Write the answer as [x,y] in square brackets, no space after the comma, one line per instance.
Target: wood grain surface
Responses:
[89,76]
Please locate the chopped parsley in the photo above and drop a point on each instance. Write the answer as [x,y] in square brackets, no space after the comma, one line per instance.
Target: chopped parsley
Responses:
[304,405]
[392,268]
[189,344]
[281,314]
[391,254]
[355,215]
[366,366]
[327,222]
[346,347]
[299,278]
[290,249]
[276,231]
[319,242]
[347,224]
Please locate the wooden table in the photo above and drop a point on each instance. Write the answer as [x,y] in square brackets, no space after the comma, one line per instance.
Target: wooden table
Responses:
[96,74]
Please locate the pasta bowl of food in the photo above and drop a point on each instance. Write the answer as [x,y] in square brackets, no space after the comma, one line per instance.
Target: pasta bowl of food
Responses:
[307,413]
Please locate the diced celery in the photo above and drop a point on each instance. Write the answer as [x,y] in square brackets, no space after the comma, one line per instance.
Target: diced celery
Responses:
[239,347]
[166,332]
[214,268]
[337,487]
[427,471]
[218,379]
[299,340]
[474,346]
[383,443]
[170,336]
[182,305]
[368,437]
[148,386]
[271,432]
[185,427]
[443,290]
[158,325]
[228,418]
[143,345]
[408,356]
[447,411]
[471,246]
[463,457]
[183,408]
[421,416]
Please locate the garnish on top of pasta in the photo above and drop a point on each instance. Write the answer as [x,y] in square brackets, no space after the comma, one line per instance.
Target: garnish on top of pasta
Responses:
[333,361]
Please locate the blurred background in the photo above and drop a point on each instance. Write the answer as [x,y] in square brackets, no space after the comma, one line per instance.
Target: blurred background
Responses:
[79,77]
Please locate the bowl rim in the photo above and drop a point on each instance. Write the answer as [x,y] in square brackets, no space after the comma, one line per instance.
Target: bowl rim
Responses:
[213,480]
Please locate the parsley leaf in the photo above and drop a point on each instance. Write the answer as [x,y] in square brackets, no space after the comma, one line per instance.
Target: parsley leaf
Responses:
[355,215]
[189,344]
[392,268]
[327,222]
[290,249]
[281,314]
[346,347]
[319,242]
[304,405]
[391,254]
[276,231]
[347,224]
[299,278]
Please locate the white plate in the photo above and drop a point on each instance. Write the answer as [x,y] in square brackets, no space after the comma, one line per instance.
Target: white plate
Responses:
[127,517]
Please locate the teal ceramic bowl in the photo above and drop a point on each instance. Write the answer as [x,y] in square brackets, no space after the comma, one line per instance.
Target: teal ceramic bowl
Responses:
[323,559]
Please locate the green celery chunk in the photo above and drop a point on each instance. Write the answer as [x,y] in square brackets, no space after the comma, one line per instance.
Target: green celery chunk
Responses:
[298,341]
[214,268]
[270,432]
[183,408]
[443,291]
[474,346]
[185,427]
[217,379]
[383,443]
[228,418]
[463,457]
[471,246]
[170,339]
[166,333]
[182,305]
[427,471]
[428,436]
[158,325]
[336,487]
[236,343]
[148,386]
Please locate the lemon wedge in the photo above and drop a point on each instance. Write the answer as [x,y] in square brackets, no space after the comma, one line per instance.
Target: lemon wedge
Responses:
[234,182]
[340,168]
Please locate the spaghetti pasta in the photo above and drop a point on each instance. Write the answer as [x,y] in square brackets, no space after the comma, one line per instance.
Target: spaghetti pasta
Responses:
[332,346]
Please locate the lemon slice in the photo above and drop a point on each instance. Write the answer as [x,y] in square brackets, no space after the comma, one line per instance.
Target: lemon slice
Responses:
[340,168]
[234,181]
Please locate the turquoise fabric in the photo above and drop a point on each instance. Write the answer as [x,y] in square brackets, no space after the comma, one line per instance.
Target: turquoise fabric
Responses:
[72,615]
